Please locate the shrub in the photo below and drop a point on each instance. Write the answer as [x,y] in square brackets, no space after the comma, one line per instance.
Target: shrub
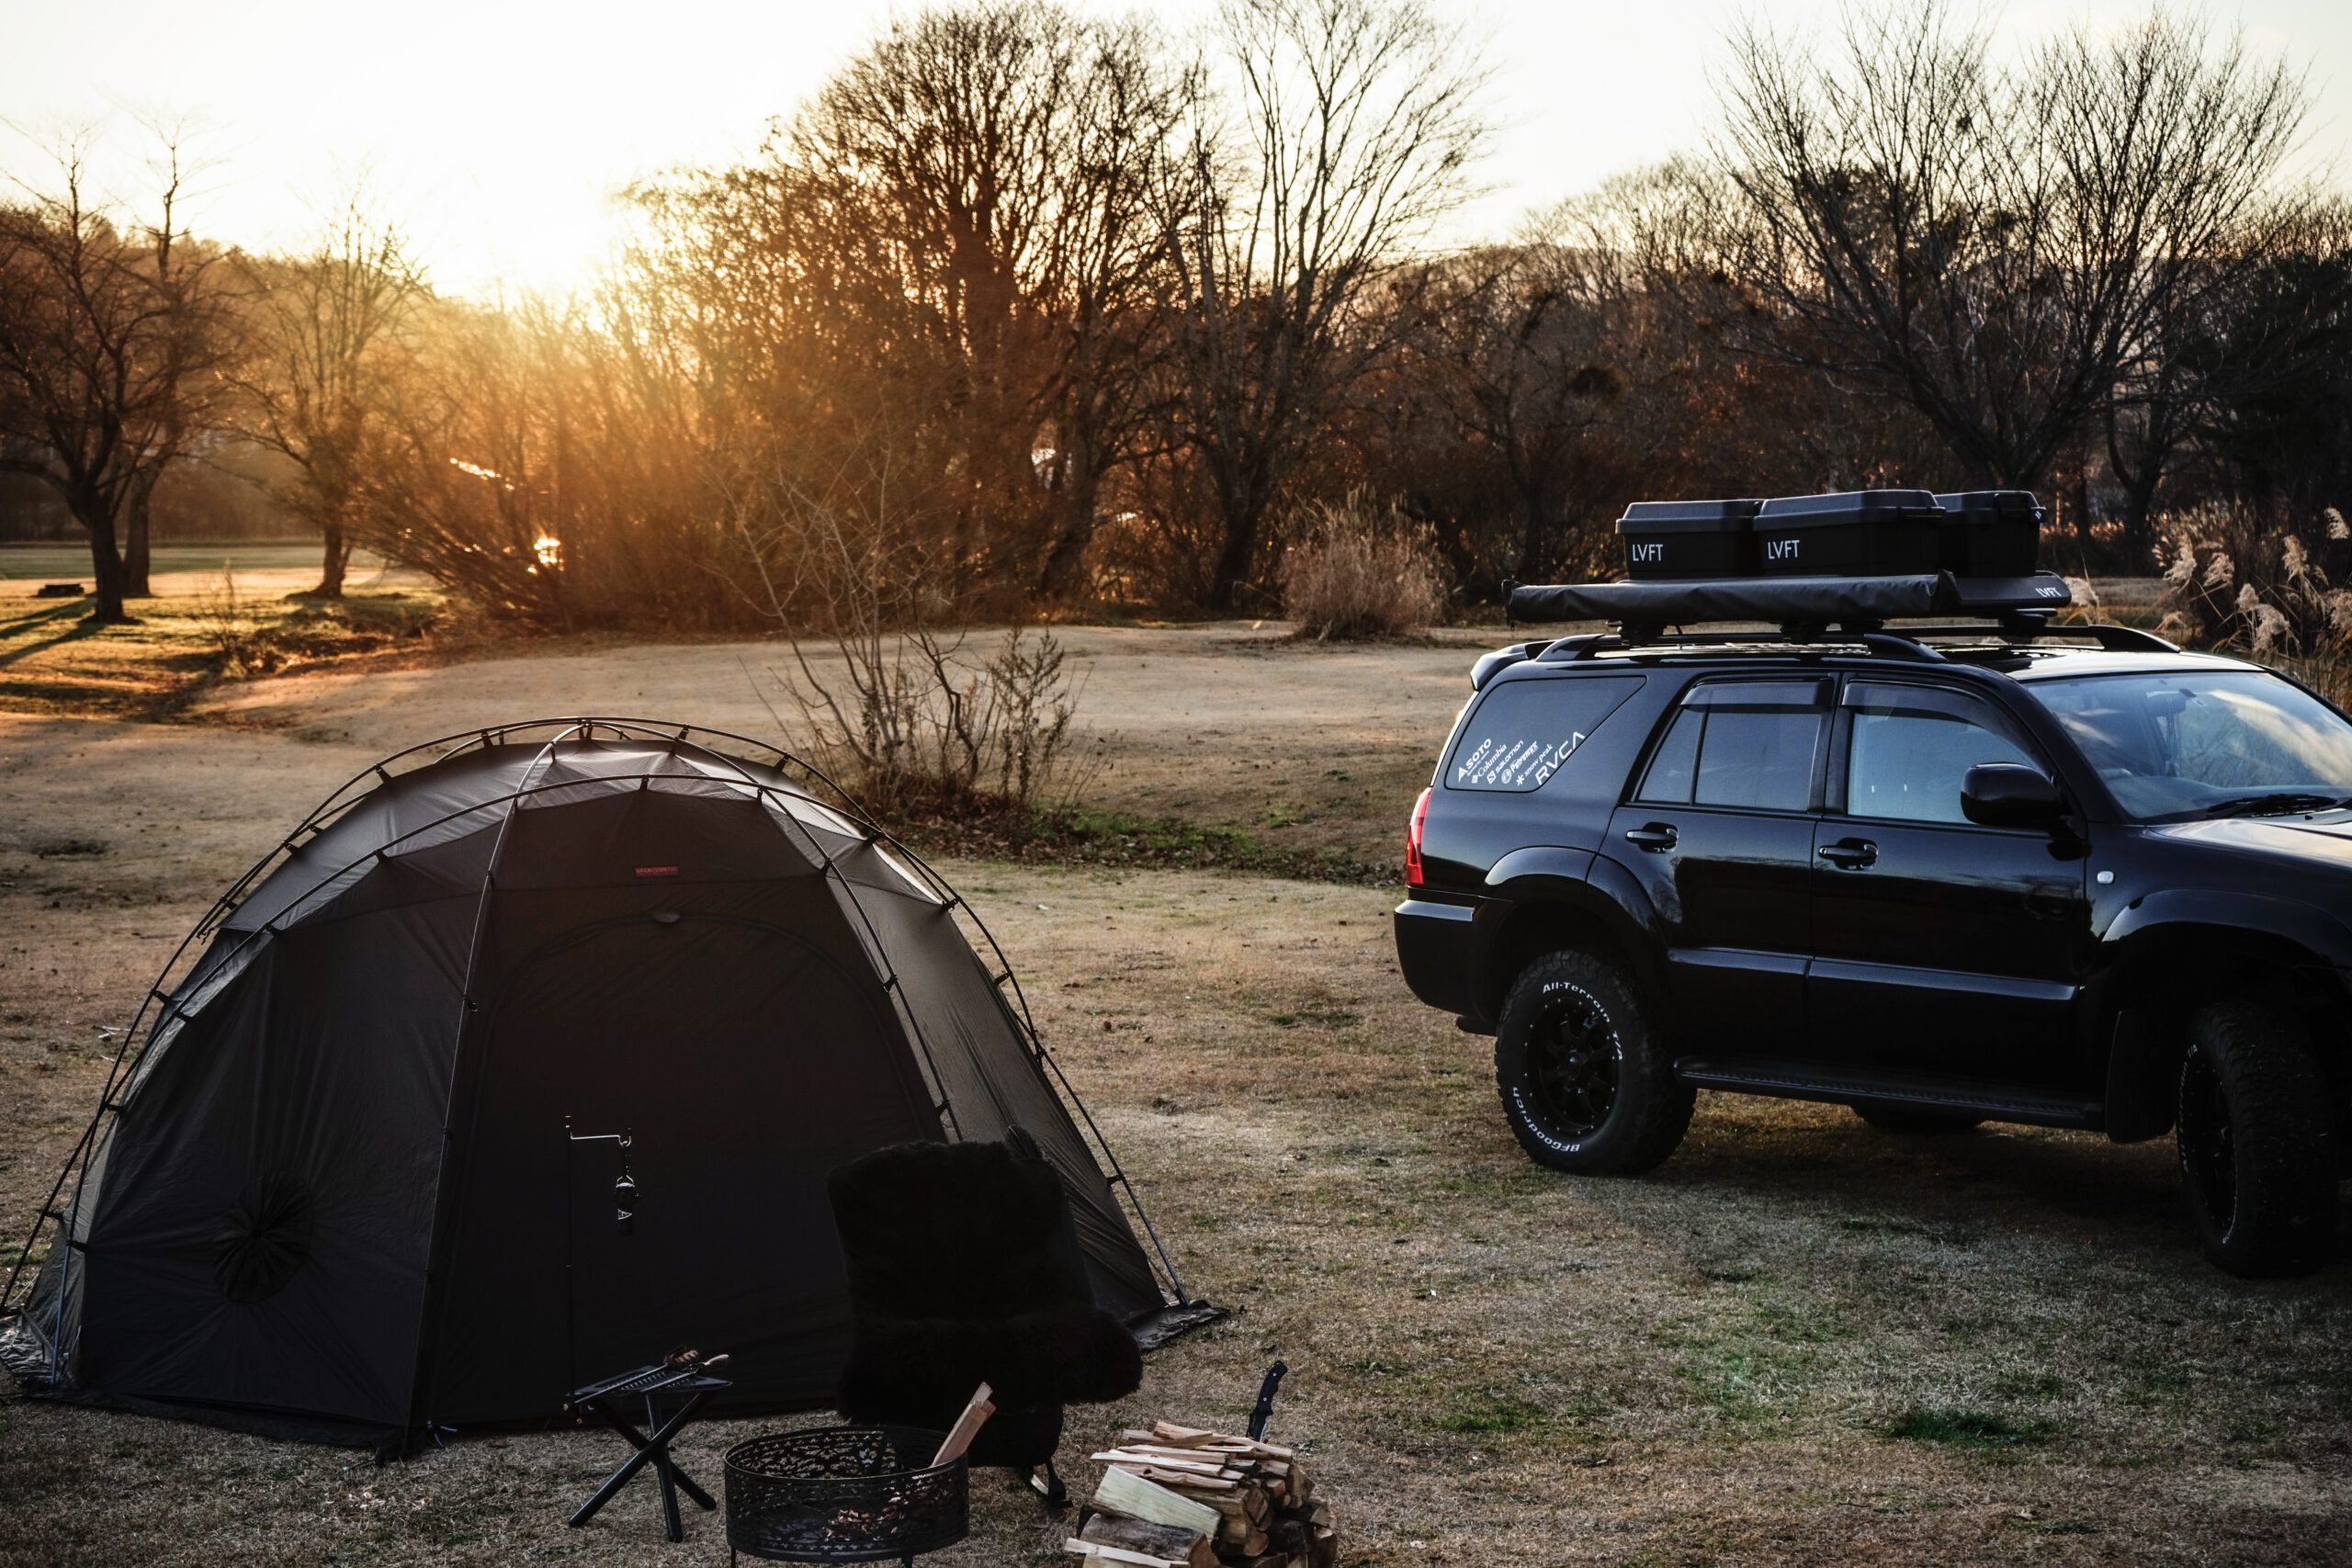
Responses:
[2233,581]
[920,726]
[226,622]
[1357,572]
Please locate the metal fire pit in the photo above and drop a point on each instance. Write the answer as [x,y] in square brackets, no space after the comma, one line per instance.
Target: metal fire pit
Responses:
[843,1495]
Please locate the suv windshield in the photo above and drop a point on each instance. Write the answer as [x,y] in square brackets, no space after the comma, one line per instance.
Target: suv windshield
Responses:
[2205,742]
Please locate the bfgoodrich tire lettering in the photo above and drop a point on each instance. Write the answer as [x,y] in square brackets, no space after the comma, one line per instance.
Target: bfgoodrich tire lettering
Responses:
[1584,1082]
[2257,1151]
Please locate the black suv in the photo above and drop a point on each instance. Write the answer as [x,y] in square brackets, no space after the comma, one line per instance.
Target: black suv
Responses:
[1944,877]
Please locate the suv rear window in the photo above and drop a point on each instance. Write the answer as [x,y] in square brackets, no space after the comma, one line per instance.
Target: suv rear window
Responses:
[1740,743]
[1524,730]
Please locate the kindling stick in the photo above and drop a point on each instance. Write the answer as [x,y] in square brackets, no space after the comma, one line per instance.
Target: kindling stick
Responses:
[967,1427]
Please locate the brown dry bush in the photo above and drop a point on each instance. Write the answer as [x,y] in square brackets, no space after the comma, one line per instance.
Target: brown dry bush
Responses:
[2234,579]
[1360,572]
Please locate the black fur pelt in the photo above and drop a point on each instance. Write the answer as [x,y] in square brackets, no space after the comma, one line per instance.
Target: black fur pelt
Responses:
[1071,1355]
[964,1267]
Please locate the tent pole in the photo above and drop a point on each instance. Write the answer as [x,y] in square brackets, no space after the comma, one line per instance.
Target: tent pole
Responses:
[446,1197]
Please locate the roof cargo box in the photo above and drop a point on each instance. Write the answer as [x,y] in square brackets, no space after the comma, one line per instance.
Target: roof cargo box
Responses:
[1689,538]
[1862,533]
[1991,533]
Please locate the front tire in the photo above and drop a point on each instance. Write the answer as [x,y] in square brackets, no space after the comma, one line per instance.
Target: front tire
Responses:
[1585,1083]
[2257,1154]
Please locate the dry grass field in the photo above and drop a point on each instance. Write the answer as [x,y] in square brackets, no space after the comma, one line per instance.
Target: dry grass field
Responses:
[1801,1340]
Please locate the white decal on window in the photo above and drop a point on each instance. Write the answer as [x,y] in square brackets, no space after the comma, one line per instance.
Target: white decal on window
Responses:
[1526,764]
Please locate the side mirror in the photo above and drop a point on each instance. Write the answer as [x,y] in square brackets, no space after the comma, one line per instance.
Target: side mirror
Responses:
[2010,794]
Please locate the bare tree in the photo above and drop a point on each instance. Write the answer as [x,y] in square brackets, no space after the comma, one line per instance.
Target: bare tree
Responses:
[1994,246]
[110,338]
[326,328]
[1357,120]
[1521,339]
[1001,153]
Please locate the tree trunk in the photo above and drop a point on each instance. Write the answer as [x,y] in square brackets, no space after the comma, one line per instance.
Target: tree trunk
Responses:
[1534,541]
[331,568]
[1242,512]
[1068,552]
[135,553]
[2079,495]
[2139,505]
[1233,563]
[106,567]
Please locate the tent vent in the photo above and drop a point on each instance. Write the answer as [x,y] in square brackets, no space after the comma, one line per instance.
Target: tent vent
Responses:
[266,1240]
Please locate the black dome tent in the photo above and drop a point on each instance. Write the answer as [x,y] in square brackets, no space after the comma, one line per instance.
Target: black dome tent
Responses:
[364,1175]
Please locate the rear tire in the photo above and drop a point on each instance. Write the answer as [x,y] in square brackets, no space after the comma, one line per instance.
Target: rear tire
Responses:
[1913,1120]
[1585,1083]
[2257,1153]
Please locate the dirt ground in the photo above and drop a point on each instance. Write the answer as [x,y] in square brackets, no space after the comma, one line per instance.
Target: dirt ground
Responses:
[1307,747]
[1801,1340]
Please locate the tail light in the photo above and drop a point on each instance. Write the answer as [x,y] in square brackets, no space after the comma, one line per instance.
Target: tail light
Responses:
[1413,841]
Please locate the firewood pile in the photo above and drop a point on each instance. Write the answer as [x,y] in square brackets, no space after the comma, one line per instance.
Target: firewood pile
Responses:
[1176,1497]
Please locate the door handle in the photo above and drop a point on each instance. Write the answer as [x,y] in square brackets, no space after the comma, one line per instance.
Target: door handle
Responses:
[1850,854]
[1656,837]
[2048,906]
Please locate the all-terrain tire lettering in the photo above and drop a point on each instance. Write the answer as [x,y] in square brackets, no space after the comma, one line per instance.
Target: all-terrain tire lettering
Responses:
[1635,1110]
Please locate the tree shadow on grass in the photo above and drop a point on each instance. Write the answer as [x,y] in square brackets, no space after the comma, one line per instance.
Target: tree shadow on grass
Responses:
[68,621]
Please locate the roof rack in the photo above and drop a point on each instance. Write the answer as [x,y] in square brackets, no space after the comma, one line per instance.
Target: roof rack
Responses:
[1909,644]
[1906,642]
[2113,638]
[1804,608]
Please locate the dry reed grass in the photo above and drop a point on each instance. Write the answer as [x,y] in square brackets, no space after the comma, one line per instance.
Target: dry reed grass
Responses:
[1357,571]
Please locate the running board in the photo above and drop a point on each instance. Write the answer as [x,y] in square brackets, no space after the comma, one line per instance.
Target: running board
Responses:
[1843,1086]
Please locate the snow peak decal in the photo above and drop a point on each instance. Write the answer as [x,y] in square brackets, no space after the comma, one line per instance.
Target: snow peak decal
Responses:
[1523,732]
[1524,765]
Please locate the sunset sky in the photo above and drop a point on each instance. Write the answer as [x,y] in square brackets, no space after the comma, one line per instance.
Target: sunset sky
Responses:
[501,129]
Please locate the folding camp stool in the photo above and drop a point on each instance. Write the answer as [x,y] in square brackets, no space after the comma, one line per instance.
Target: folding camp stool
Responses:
[688,1383]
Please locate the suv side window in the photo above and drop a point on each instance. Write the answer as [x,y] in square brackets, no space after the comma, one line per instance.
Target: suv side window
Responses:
[1740,743]
[1526,730]
[1911,746]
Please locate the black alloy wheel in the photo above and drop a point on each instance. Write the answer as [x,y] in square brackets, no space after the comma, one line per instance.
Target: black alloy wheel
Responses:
[2257,1137]
[1584,1082]
[1573,1055]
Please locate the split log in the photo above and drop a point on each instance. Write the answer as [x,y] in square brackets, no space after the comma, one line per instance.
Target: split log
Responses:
[1120,1492]
[1091,1553]
[1199,1438]
[1247,1502]
[1260,1496]
[1241,1536]
[1131,1457]
[1213,1457]
[967,1427]
[1172,1542]
[1188,1481]
[1184,1437]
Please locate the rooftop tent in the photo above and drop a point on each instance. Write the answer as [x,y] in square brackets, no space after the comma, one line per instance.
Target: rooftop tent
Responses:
[368,1171]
